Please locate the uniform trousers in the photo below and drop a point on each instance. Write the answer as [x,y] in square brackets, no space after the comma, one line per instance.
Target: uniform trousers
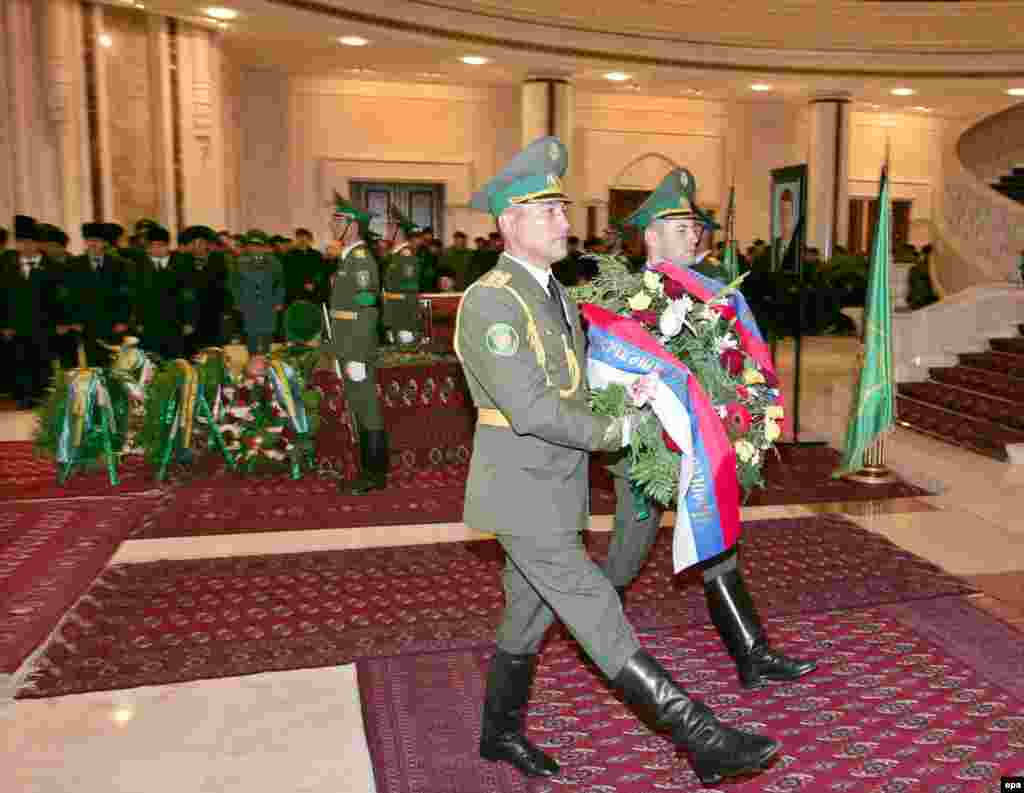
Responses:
[552,575]
[633,537]
[362,399]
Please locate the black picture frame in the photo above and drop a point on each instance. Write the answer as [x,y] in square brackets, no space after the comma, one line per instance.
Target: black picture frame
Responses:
[788,202]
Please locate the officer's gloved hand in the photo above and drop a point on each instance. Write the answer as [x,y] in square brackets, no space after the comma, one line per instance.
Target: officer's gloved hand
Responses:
[356,371]
[405,337]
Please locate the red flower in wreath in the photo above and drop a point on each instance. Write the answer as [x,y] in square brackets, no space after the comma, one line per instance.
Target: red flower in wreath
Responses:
[732,360]
[737,420]
[742,392]
[725,312]
[670,444]
[673,289]
[243,398]
[649,318]
[770,378]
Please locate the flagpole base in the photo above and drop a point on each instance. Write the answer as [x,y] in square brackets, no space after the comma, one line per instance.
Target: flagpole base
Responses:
[872,475]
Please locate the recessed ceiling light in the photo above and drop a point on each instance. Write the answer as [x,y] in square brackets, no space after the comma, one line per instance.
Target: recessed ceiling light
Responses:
[105,40]
[923,109]
[353,41]
[903,92]
[693,91]
[430,75]
[760,87]
[361,70]
[474,60]
[1015,91]
[873,106]
[219,12]
[140,6]
[617,77]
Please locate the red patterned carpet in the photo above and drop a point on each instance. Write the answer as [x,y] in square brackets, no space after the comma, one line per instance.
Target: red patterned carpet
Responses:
[895,707]
[49,555]
[23,475]
[164,622]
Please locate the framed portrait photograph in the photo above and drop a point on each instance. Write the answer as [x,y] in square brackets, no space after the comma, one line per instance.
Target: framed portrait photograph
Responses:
[788,216]
[421,208]
[377,203]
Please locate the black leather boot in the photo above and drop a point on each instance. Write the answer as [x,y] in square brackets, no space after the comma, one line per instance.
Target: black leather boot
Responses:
[621,591]
[374,474]
[501,737]
[735,617]
[715,750]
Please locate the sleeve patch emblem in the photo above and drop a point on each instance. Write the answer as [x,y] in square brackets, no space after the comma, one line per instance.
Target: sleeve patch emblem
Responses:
[502,339]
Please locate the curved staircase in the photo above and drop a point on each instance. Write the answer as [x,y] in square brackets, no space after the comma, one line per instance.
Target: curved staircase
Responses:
[977,404]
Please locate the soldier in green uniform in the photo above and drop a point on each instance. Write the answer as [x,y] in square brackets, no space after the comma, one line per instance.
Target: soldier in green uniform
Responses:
[402,281]
[521,344]
[354,317]
[455,263]
[257,288]
[672,226]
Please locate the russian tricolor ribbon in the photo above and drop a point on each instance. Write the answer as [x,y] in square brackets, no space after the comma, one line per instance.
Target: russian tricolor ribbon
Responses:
[705,289]
[708,514]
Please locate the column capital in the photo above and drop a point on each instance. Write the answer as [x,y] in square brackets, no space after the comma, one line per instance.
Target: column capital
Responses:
[831,97]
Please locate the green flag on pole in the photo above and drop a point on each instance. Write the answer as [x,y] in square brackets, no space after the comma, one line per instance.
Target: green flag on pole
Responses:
[873,412]
[730,259]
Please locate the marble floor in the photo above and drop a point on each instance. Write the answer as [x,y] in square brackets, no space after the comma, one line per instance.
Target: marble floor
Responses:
[302,731]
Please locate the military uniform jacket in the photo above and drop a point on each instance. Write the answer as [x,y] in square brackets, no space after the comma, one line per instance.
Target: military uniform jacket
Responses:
[354,299]
[257,285]
[532,476]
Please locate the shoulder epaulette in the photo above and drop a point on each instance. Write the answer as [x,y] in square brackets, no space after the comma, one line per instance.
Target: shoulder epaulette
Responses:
[496,279]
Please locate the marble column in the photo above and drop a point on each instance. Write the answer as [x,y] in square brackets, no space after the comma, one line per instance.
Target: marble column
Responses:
[548,108]
[65,105]
[828,212]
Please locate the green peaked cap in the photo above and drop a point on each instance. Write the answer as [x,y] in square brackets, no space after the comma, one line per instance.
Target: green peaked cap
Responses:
[673,198]
[343,208]
[534,175]
[257,237]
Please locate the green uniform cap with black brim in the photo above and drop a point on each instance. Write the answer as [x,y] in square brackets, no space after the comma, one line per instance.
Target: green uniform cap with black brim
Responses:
[345,210]
[157,234]
[671,200]
[533,176]
[257,237]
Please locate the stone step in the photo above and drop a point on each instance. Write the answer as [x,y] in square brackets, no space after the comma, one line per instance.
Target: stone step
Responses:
[1004,363]
[954,428]
[982,381]
[1013,345]
[971,404]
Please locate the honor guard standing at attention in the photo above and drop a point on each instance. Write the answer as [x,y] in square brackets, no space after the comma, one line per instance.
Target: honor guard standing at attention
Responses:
[521,344]
[256,284]
[402,281]
[354,317]
[672,225]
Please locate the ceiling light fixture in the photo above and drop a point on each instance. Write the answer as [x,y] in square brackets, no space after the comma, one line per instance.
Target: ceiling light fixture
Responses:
[474,60]
[430,75]
[219,12]
[760,87]
[140,6]
[903,92]
[105,40]
[1015,91]
[617,77]
[361,70]
[353,41]
[923,109]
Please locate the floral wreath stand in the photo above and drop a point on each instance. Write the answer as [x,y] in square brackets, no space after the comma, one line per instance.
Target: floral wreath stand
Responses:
[179,414]
[87,396]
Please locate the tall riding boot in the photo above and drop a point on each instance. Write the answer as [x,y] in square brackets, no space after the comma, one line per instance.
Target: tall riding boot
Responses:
[735,617]
[715,750]
[501,736]
[621,592]
[374,472]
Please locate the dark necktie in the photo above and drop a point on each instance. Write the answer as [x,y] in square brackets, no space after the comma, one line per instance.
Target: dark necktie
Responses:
[555,296]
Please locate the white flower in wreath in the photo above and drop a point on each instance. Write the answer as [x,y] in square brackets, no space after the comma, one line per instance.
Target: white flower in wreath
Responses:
[670,323]
[745,450]
[652,282]
[683,305]
[276,429]
[721,411]
[274,454]
[726,342]
[772,431]
[640,301]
